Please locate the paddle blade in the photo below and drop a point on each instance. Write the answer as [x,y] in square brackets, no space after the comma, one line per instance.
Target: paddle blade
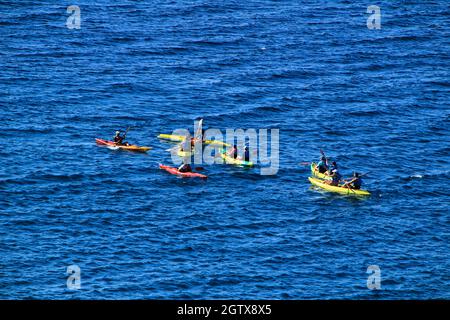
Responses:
[199,130]
[323,153]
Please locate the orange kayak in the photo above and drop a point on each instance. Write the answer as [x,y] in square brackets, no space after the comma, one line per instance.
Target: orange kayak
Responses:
[123,147]
[182,174]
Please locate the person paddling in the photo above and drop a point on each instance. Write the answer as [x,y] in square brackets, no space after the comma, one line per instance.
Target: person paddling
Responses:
[185,167]
[233,152]
[118,139]
[334,166]
[246,154]
[322,166]
[199,134]
[199,138]
[331,169]
[194,140]
[355,182]
[335,178]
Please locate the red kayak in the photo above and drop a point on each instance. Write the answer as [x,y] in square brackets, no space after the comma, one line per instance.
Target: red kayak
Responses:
[130,147]
[182,174]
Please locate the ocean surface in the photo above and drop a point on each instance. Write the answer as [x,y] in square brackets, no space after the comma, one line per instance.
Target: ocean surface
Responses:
[373,99]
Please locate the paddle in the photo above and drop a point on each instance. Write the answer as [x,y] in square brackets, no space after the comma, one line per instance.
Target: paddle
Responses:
[323,153]
[176,147]
[348,187]
[361,175]
[124,136]
[326,158]
[309,163]
[197,169]
[364,174]
[199,131]
[126,131]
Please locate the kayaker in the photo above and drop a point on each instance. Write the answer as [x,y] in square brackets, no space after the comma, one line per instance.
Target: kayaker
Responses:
[118,139]
[193,140]
[355,182]
[335,178]
[233,152]
[246,154]
[185,167]
[200,138]
[333,166]
[322,166]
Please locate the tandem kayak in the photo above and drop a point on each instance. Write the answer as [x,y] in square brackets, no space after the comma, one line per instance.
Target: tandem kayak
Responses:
[179,138]
[338,189]
[182,174]
[122,147]
[231,160]
[316,172]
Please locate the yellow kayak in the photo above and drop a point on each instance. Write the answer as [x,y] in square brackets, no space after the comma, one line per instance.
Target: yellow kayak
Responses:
[179,138]
[183,153]
[171,137]
[340,189]
[231,160]
[316,172]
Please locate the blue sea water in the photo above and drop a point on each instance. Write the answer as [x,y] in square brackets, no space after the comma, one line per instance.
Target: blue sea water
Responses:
[374,100]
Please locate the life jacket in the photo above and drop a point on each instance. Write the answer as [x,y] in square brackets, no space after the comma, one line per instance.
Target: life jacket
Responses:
[357,183]
[118,139]
[185,168]
[337,177]
[322,167]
